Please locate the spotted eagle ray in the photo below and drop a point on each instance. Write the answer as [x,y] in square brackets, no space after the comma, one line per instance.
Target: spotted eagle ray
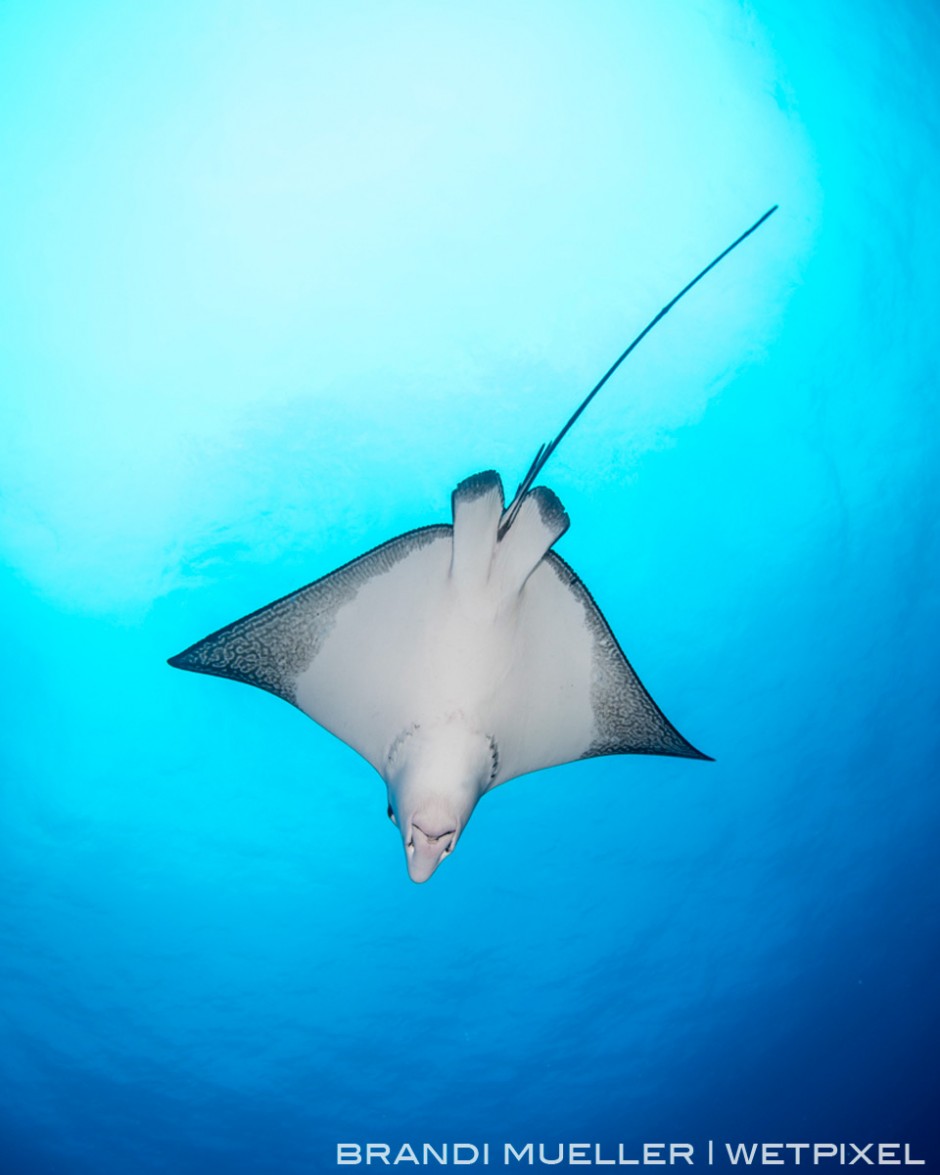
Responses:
[454,658]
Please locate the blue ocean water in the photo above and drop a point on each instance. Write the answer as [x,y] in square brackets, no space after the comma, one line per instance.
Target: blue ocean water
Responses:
[275,278]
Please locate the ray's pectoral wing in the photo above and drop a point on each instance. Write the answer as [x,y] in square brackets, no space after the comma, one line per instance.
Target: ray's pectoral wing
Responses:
[337,647]
[574,694]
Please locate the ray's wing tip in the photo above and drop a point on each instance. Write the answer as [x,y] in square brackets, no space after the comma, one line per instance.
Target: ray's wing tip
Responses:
[689,751]
[181,660]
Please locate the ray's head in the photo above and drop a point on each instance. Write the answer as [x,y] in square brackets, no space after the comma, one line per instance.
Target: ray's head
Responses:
[435,777]
[429,835]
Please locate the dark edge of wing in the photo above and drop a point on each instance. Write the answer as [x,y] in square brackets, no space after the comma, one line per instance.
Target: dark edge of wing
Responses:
[191,659]
[570,577]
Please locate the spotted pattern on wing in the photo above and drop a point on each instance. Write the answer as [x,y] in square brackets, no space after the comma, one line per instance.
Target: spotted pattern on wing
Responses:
[627,720]
[270,648]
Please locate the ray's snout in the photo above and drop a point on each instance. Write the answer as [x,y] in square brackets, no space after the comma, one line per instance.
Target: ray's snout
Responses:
[436,772]
[425,850]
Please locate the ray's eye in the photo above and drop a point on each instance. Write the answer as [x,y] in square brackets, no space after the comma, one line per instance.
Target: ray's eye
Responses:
[391,815]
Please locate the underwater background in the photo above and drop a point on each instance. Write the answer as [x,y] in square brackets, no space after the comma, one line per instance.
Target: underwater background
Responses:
[274,278]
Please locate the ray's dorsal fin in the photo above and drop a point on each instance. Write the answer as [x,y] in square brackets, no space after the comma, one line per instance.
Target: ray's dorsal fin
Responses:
[540,521]
[545,451]
[482,554]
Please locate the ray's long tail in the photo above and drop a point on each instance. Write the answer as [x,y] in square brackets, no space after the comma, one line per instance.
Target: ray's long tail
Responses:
[546,450]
